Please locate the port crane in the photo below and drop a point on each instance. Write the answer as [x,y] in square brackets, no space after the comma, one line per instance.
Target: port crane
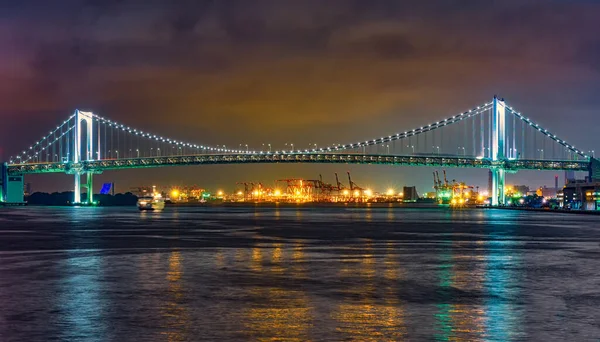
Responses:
[252,189]
[353,185]
[325,189]
[297,186]
[339,186]
[451,192]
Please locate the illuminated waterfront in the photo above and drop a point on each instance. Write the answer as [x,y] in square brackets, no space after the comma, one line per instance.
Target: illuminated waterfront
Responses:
[216,273]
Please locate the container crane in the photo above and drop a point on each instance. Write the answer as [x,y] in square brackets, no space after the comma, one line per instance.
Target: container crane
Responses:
[339,186]
[353,185]
[325,189]
[298,187]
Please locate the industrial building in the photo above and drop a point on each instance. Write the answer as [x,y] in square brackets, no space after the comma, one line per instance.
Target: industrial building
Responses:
[580,195]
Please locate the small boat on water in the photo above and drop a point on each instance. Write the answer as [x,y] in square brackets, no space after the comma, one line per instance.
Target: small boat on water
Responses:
[155,202]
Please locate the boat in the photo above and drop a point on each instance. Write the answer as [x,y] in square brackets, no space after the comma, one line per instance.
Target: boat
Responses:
[154,202]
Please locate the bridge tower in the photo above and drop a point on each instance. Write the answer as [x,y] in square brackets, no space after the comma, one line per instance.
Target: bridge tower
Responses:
[498,140]
[78,156]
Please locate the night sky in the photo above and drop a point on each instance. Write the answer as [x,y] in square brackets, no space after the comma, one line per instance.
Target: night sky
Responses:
[301,71]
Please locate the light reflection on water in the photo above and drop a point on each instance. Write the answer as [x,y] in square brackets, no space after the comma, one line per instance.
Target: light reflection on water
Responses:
[176,319]
[82,299]
[367,274]
[502,316]
[370,312]
[276,312]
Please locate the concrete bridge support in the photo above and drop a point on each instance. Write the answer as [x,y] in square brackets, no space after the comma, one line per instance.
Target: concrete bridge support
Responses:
[498,138]
[90,187]
[88,152]
[77,188]
[11,187]
[3,179]
[498,184]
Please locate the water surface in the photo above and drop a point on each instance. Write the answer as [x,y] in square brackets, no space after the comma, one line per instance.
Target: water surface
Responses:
[297,274]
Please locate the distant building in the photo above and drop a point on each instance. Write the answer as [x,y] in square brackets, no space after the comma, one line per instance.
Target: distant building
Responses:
[521,189]
[546,192]
[430,194]
[569,176]
[580,195]
[410,194]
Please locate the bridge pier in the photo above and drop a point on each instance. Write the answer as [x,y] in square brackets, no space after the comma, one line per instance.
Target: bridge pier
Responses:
[77,189]
[11,187]
[498,184]
[90,187]
[3,180]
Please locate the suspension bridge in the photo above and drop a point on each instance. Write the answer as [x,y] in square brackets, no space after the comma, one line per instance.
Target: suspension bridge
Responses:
[492,135]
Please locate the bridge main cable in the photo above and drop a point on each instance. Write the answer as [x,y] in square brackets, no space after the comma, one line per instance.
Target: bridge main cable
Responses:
[547,133]
[439,124]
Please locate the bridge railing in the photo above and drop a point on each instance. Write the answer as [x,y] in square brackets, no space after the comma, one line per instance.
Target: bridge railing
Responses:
[341,158]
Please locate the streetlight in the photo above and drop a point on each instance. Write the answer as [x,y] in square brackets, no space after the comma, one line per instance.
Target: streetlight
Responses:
[413,149]
[138,152]
[117,153]
[246,148]
[158,151]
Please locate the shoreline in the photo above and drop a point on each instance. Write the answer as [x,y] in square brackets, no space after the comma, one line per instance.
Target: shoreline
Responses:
[398,205]
[543,210]
[307,205]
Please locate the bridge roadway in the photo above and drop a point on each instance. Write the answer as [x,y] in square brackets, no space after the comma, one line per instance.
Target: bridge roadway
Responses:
[97,166]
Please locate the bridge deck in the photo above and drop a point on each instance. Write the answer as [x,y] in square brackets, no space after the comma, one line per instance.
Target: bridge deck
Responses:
[343,158]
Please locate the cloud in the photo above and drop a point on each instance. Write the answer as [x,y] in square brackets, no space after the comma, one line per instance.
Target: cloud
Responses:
[273,66]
